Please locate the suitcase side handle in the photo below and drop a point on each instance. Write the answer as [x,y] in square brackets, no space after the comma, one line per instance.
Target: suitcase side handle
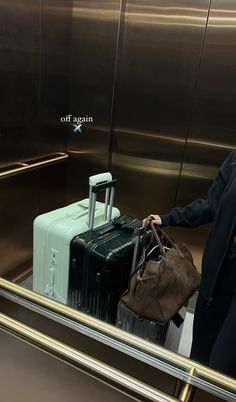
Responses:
[98,183]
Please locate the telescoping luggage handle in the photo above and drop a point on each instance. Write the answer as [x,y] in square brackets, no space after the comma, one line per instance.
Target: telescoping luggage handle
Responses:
[98,183]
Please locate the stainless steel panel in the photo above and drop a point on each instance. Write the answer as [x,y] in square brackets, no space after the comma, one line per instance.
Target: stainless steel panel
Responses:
[24,195]
[93,53]
[214,120]
[55,40]
[31,374]
[212,134]
[159,59]
[68,332]
[34,77]
[52,184]
[117,348]
[19,79]
[18,207]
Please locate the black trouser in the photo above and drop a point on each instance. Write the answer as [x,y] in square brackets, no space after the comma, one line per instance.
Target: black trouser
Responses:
[214,327]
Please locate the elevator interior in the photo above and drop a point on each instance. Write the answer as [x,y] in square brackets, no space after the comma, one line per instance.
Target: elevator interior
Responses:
[157,77]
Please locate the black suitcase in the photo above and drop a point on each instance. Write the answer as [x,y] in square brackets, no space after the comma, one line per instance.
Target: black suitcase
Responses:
[100,267]
[168,334]
[148,329]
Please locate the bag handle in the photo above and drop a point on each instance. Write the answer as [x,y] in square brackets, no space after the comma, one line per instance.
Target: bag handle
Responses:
[144,240]
[157,238]
[144,243]
[148,222]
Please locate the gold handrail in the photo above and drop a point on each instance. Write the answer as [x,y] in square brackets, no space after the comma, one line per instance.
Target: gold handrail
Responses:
[31,164]
[187,390]
[159,352]
[94,366]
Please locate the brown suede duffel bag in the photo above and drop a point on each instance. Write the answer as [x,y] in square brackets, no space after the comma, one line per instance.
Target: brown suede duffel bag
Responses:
[158,289]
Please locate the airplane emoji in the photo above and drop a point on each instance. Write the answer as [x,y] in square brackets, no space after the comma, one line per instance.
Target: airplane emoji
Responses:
[77,128]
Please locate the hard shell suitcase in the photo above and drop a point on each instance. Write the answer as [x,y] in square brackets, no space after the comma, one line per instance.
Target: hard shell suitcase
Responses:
[53,232]
[140,326]
[166,335]
[100,267]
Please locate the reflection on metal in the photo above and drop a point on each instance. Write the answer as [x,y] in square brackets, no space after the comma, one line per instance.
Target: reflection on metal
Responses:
[93,366]
[223,18]
[97,13]
[95,26]
[22,276]
[159,59]
[203,377]
[213,117]
[32,164]
[55,53]
[19,53]
[92,322]
[149,134]
[146,135]
[187,390]
[168,19]
[34,52]
[164,168]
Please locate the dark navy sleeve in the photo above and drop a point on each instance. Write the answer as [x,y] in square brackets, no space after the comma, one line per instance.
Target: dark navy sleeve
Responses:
[194,214]
[202,211]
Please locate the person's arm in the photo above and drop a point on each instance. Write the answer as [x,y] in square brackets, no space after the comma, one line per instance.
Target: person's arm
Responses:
[201,211]
[192,215]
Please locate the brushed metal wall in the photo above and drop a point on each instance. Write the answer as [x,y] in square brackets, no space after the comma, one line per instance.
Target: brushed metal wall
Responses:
[19,126]
[28,373]
[153,78]
[19,79]
[212,132]
[18,207]
[95,28]
[34,77]
[56,21]
[55,40]
[108,354]
[161,45]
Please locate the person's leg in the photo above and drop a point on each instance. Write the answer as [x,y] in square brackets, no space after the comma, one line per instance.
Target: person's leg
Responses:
[208,320]
[223,355]
[205,329]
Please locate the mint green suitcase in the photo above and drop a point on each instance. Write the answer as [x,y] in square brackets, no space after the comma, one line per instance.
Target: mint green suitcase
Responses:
[53,232]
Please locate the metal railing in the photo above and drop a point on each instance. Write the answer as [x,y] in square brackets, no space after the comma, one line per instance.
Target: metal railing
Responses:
[175,365]
[108,374]
[14,168]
